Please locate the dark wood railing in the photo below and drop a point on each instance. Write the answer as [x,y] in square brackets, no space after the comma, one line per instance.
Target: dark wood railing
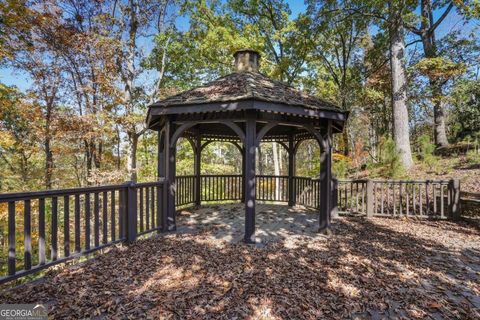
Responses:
[221,187]
[49,227]
[79,221]
[272,188]
[390,198]
[307,191]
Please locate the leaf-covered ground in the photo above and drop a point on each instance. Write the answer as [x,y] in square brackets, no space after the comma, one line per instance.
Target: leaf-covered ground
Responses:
[377,268]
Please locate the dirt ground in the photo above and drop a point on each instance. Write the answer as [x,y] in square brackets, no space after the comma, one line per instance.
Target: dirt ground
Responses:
[368,269]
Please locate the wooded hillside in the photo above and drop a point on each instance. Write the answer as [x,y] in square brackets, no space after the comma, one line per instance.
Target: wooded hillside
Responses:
[406,70]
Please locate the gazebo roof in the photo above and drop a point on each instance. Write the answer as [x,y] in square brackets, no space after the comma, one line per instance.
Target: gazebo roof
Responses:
[246,85]
[245,90]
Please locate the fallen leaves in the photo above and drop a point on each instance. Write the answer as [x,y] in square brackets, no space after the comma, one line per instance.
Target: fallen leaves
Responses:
[369,268]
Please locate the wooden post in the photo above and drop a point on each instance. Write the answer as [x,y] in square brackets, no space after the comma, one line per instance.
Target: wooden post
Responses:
[369,198]
[161,198]
[291,171]
[334,210]
[455,209]
[131,212]
[198,159]
[243,173]
[169,188]
[325,180]
[249,178]
[11,238]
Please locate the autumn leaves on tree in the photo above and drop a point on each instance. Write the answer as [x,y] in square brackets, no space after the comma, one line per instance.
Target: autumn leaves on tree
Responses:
[93,67]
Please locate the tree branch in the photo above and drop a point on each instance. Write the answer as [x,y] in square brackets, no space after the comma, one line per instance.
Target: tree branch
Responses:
[442,17]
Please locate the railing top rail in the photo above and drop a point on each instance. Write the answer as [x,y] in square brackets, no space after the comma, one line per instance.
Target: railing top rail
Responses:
[271,176]
[149,184]
[311,178]
[410,181]
[217,175]
[392,181]
[17,196]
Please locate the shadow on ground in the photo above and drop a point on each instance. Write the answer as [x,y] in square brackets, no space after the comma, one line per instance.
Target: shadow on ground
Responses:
[373,268]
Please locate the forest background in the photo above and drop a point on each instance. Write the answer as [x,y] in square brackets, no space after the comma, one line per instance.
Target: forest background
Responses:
[76,78]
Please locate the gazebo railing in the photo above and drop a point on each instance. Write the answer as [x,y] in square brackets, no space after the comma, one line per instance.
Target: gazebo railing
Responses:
[217,188]
[389,198]
[49,227]
[41,229]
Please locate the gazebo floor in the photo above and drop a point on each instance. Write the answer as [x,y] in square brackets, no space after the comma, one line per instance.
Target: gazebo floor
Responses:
[227,222]
[375,268]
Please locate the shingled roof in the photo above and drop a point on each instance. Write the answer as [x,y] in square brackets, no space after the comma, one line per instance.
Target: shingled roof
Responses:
[243,86]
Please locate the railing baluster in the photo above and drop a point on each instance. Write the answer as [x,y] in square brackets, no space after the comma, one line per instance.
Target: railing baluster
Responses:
[112,215]
[407,199]
[152,207]
[96,219]
[400,186]
[414,205]
[11,239]
[105,217]
[27,234]
[442,212]
[427,198]
[87,221]
[147,208]
[141,210]
[54,228]
[41,231]
[383,195]
[66,226]
[420,199]
[77,223]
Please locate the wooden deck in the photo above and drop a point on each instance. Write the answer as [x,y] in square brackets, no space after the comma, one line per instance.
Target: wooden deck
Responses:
[369,268]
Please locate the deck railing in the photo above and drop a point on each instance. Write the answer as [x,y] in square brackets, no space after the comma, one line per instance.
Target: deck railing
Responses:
[390,198]
[79,221]
[49,227]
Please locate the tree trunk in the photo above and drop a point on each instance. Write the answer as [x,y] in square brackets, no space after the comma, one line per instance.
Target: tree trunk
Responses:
[132,156]
[48,151]
[440,130]
[48,164]
[430,51]
[399,94]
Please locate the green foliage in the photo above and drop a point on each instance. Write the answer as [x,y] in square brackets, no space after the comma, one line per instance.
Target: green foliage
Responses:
[390,163]
[439,68]
[308,159]
[340,168]
[473,156]
[466,105]
[426,151]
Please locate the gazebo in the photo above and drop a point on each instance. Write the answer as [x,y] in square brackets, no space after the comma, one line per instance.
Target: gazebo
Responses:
[245,108]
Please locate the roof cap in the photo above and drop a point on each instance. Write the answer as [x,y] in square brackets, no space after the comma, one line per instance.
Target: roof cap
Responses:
[247,60]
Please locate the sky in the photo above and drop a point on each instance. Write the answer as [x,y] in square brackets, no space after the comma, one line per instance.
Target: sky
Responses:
[20,79]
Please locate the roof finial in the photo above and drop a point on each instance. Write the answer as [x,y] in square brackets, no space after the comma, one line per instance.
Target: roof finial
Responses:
[247,60]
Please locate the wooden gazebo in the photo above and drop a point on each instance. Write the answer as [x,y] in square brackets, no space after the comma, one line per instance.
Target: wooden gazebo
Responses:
[245,108]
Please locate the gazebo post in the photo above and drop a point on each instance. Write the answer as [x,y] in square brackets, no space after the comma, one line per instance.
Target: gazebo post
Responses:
[161,174]
[198,159]
[243,173]
[249,181]
[325,178]
[291,171]
[169,190]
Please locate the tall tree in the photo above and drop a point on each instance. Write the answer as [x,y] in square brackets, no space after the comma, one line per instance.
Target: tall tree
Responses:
[337,37]
[396,32]
[426,30]
[132,22]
